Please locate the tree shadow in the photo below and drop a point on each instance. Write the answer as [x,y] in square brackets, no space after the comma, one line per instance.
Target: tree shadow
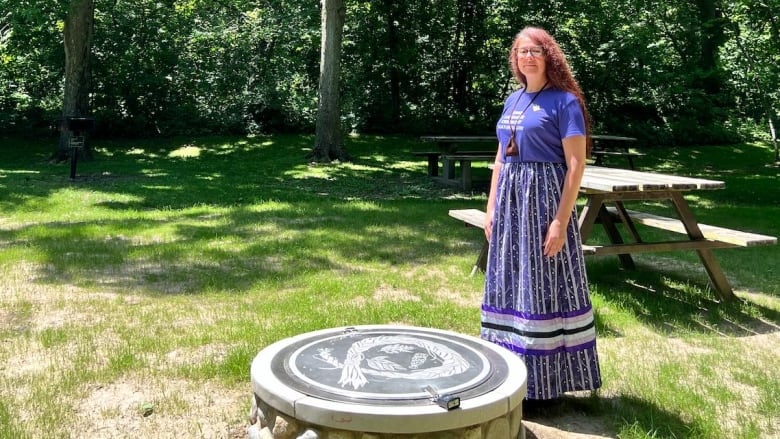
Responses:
[594,415]
[239,212]
[672,303]
[381,207]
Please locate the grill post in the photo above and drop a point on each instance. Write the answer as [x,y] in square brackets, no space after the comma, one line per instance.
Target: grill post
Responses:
[78,127]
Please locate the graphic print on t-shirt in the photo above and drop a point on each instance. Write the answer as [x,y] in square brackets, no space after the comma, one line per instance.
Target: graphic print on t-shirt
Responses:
[514,119]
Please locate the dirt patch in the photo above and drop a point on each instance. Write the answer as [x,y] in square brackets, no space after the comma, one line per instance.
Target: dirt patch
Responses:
[197,355]
[134,408]
[565,426]
[386,292]
[570,416]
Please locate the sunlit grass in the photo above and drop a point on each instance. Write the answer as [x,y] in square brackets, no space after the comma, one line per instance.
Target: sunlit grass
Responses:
[168,264]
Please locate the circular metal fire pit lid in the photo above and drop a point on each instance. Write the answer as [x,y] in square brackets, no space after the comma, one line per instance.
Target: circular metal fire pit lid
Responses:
[386,379]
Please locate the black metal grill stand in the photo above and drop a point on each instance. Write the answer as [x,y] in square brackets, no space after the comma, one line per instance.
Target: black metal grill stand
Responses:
[78,127]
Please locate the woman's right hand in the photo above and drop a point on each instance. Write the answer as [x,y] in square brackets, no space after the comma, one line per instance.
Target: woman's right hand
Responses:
[488,224]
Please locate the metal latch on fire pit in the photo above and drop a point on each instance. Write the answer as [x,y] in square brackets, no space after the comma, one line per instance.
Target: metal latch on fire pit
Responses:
[447,402]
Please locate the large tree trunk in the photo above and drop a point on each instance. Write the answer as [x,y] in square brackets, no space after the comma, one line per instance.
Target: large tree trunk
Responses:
[462,53]
[712,38]
[395,72]
[329,143]
[77,33]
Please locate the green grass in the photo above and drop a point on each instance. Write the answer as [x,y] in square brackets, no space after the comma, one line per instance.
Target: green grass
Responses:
[159,273]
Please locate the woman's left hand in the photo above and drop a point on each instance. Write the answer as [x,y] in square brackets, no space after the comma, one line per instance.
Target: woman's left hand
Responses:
[556,236]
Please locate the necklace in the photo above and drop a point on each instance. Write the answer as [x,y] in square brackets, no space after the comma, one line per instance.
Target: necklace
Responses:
[512,149]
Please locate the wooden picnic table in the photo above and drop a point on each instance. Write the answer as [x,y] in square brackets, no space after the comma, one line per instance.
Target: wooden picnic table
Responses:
[465,159]
[450,144]
[605,145]
[607,189]
[448,152]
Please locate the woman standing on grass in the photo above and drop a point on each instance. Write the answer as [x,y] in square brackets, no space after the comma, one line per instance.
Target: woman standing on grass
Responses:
[536,301]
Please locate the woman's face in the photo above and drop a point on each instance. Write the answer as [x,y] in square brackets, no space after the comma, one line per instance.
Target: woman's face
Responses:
[530,57]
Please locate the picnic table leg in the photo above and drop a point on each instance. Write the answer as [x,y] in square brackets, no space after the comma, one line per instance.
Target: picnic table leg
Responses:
[588,215]
[433,165]
[465,174]
[706,256]
[595,209]
[627,221]
[614,237]
[481,263]
[448,168]
[715,272]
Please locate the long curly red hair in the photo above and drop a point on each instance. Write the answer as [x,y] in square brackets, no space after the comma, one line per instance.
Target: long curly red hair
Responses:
[557,70]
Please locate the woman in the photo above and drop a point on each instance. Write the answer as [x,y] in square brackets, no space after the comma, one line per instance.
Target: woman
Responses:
[536,299]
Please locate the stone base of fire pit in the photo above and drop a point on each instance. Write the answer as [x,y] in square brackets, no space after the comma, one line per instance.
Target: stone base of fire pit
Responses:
[386,382]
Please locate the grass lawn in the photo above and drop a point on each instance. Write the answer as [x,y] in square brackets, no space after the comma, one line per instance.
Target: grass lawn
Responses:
[134,298]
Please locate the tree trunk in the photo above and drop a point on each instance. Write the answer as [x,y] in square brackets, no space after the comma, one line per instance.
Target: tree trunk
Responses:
[77,37]
[329,143]
[395,73]
[468,27]
[774,32]
[773,136]
[712,38]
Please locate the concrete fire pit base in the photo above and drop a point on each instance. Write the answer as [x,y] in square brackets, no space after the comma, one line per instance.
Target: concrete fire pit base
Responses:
[386,382]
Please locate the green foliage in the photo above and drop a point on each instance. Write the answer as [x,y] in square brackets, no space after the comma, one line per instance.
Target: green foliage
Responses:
[31,59]
[752,50]
[667,72]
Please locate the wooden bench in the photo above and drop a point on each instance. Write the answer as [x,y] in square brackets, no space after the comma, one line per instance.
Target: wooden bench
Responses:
[433,158]
[476,218]
[450,143]
[599,154]
[464,159]
[612,146]
[718,235]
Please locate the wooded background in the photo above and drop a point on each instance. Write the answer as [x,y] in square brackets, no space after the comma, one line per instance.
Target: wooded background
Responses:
[669,72]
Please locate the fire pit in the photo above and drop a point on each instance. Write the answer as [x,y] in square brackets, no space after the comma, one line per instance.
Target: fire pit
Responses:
[382,382]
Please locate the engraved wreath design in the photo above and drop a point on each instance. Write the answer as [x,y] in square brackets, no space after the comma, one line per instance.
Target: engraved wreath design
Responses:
[353,372]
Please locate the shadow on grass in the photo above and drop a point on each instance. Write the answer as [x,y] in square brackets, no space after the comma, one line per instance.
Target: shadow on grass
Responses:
[674,304]
[184,217]
[595,416]
[234,249]
[190,215]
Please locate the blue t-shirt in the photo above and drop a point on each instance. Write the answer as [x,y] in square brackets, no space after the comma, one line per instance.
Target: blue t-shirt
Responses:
[540,128]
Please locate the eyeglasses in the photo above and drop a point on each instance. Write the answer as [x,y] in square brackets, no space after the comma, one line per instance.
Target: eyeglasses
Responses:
[535,51]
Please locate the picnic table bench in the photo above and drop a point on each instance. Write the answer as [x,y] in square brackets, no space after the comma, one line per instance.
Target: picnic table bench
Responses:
[465,160]
[613,146]
[434,157]
[451,143]
[476,218]
[607,189]
[449,154]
